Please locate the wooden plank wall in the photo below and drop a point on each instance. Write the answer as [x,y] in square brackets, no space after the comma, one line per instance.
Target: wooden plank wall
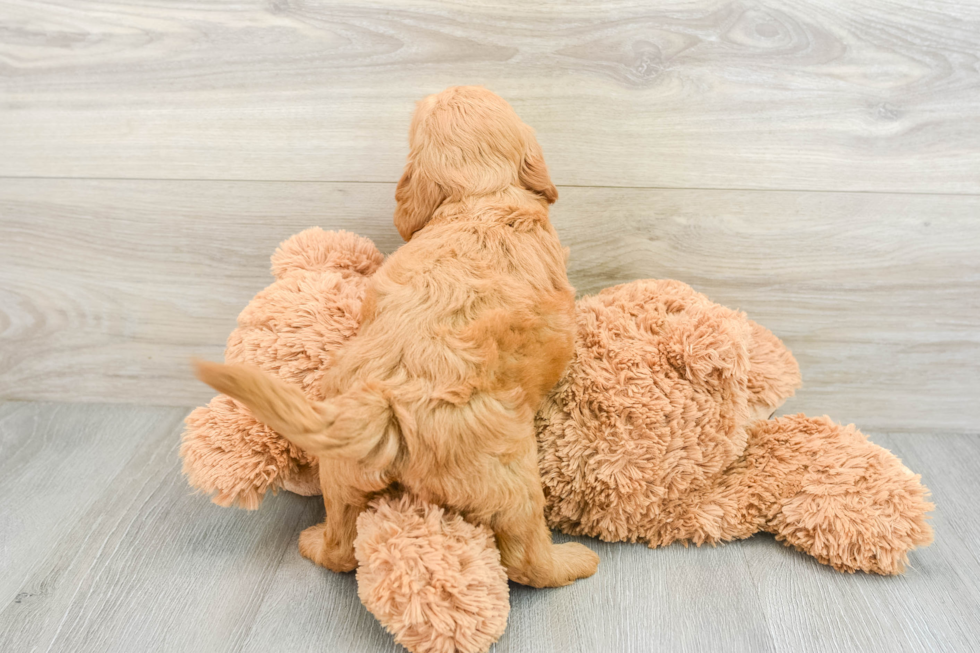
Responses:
[815,164]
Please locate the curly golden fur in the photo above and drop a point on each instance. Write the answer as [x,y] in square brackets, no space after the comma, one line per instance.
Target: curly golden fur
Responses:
[464,330]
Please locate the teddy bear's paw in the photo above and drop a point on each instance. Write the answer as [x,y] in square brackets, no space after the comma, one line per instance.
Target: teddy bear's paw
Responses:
[315,545]
[317,250]
[858,507]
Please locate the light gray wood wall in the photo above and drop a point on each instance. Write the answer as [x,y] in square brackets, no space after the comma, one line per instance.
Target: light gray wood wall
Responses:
[832,95]
[815,164]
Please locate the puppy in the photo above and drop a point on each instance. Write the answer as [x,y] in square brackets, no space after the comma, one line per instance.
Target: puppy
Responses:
[465,329]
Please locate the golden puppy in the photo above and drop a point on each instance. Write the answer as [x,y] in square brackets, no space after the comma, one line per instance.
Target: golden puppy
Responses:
[465,329]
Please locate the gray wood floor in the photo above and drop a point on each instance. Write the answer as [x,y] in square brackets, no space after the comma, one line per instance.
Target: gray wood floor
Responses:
[105,549]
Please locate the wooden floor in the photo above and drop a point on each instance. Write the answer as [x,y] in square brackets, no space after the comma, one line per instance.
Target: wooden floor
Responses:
[105,549]
[816,164]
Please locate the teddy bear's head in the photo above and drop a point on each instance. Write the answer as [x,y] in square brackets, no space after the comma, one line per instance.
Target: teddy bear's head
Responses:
[290,329]
[653,406]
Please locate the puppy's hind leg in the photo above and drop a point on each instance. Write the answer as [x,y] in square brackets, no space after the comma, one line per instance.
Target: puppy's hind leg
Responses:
[331,544]
[524,539]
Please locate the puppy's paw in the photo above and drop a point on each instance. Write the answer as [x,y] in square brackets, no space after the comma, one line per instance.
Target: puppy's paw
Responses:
[569,562]
[315,544]
[574,561]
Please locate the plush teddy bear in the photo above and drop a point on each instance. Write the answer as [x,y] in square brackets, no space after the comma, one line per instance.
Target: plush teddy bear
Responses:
[658,432]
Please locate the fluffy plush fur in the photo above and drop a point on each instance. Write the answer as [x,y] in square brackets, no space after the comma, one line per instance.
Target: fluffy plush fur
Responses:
[433,579]
[653,408]
[291,330]
[661,379]
[464,330]
[654,434]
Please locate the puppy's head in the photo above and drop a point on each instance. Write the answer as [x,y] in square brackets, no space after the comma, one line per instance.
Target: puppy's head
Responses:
[466,141]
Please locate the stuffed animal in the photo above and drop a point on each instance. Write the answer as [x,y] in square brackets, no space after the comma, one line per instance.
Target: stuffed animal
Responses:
[659,431]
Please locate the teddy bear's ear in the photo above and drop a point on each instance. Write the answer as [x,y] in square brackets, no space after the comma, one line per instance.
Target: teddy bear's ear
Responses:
[774,374]
[317,250]
[708,345]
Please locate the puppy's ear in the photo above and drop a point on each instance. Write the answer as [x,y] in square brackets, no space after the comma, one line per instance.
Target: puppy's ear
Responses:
[534,173]
[418,197]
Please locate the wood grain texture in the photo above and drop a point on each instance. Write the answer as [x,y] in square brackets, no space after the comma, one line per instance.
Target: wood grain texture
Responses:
[814,164]
[147,566]
[698,94]
[809,607]
[673,599]
[140,564]
[310,609]
[56,462]
[107,288]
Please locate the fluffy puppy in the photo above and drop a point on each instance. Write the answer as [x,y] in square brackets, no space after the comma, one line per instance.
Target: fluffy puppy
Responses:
[465,329]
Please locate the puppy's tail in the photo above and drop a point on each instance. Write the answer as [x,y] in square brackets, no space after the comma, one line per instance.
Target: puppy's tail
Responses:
[359,424]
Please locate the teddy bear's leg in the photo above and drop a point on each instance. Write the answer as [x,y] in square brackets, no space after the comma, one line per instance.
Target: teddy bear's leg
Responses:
[523,537]
[844,500]
[331,544]
[431,578]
